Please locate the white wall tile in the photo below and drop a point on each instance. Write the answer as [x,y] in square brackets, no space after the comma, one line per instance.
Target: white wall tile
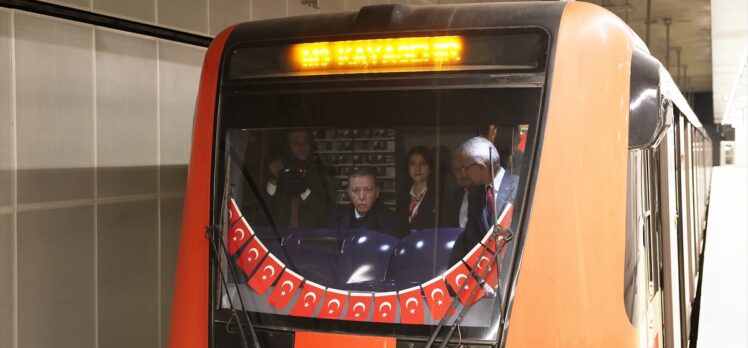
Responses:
[295,8]
[7,254]
[179,75]
[264,9]
[128,275]
[56,278]
[331,6]
[126,111]
[143,10]
[224,13]
[355,4]
[7,127]
[84,4]
[54,108]
[190,15]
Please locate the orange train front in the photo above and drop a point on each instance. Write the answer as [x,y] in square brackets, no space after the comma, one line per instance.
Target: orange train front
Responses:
[334,197]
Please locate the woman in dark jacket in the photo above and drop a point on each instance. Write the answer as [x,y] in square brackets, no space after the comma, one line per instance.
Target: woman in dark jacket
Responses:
[417,202]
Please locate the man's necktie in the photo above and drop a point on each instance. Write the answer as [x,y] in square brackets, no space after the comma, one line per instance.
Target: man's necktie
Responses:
[293,222]
[490,202]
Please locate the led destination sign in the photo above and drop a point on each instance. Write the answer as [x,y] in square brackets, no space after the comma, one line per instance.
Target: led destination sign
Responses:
[434,51]
[517,50]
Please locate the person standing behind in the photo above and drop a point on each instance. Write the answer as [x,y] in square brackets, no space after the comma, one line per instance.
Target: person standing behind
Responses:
[492,191]
[417,208]
[300,187]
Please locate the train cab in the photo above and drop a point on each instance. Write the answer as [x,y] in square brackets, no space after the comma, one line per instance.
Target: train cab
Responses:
[480,175]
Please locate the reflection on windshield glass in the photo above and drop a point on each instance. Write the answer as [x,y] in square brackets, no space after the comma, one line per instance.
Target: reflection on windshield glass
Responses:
[391,225]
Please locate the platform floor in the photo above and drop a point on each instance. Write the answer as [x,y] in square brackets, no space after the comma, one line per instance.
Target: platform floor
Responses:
[723,319]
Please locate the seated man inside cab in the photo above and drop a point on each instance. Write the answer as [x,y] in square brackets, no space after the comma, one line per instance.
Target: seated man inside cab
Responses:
[365,210]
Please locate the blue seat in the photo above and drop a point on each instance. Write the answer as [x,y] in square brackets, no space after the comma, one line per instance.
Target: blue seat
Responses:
[422,255]
[332,257]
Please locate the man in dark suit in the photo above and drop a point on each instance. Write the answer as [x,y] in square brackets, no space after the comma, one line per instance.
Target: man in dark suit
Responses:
[299,186]
[492,191]
[365,210]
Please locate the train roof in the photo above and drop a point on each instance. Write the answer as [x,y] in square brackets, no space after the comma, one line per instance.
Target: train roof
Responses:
[402,18]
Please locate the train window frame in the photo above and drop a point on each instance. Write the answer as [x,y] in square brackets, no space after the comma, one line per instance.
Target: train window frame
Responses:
[536,95]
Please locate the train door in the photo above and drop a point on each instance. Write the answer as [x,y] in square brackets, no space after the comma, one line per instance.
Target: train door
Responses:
[684,255]
[653,242]
[669,222]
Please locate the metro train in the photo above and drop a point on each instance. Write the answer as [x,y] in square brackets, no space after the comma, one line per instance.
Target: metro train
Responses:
[599,245]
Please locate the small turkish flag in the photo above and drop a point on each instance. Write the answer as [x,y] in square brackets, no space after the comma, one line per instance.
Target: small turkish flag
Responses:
[458,277]
[411,306]
[234,213]
[522,142]
[250,258]
[437,296]
[359,306]
[385,304]
[311,296]
[479,259]
[266,274]
[287,285]
[239,233]
[334,304]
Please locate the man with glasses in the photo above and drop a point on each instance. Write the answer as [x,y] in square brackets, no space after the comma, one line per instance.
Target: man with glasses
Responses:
[494,187]
[455,212]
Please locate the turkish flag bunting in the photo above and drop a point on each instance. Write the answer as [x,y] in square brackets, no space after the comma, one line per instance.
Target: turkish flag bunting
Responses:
[266,274]
[437,296]
[411,306]
[334,304]
[458,277]
[239,233]
[234,213]
[287,285]
[504,221]
[250,258]
[482,268]
[385,304]
[311,296]
[359,306]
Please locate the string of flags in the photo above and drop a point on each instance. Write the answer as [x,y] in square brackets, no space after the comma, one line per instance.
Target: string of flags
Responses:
[265,272]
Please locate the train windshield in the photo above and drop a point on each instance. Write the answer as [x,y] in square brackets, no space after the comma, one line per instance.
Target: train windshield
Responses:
[380,209]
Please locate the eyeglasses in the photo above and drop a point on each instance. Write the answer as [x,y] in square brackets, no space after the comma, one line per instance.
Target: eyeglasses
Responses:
[464,169]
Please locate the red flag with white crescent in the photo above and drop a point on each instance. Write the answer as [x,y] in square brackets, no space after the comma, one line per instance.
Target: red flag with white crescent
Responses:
[359,307]
[437,296]
[309,299]
[478,258]
[411,306]
[250,258]
[239,233]
[459,279]
[385,305]
[287,285]
[335,301]
[234,213]
[266,274]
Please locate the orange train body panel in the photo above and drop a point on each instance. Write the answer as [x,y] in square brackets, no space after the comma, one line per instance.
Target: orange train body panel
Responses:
[189,316]
[570,287]
[304,339]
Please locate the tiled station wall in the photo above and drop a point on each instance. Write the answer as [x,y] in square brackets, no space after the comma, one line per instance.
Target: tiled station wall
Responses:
[95,128]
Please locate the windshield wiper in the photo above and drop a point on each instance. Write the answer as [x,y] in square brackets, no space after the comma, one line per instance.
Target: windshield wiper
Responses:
[215,235]
[472,275]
